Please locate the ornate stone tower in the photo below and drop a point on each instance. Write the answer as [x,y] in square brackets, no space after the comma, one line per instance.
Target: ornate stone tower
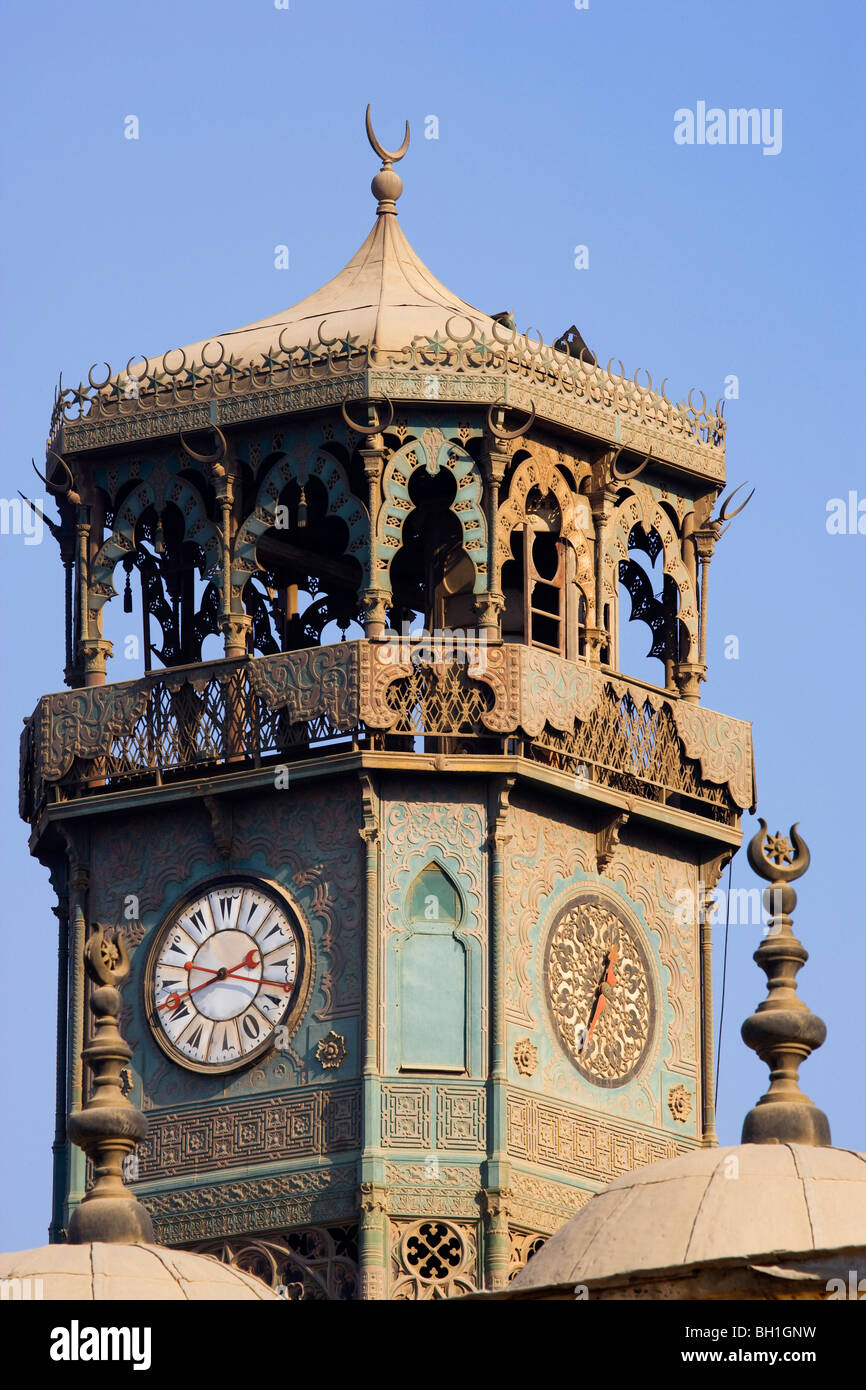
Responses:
[411,875]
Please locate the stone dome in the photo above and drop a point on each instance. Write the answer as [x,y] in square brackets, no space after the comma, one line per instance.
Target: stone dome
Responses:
[742,1203]
[382,299]
[129,1272]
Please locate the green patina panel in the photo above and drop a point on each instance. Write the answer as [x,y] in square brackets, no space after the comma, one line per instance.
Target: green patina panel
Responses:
[433,1001]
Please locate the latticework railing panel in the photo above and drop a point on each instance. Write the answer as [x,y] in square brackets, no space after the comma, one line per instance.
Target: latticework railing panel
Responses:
[439,700]
[235,714]
[634,748]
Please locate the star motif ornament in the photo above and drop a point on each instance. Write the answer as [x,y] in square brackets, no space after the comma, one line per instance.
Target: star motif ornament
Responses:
[779,849]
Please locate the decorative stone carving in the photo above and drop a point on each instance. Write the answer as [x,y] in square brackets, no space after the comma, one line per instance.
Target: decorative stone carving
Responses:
[307,684]
[607,841]
[460,1118]
[679,1103]
[314,1264]
[525,1056]
[561,1137]
[432,1260]
[523,1245]
[331,1050]
[574,716]
[204,1138]
[722,746]
[205,1212]
[405,1116]
[539,1205]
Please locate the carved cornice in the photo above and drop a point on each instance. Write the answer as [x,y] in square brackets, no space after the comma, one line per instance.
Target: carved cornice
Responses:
[160,398]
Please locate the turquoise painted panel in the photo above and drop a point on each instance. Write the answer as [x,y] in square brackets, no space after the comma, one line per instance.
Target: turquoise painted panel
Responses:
[433,1002]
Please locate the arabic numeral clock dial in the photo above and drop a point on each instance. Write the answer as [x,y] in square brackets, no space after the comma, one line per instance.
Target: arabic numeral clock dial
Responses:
[600,990]
[224,973]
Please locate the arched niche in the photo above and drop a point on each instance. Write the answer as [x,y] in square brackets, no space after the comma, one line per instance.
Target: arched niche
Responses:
[433,977]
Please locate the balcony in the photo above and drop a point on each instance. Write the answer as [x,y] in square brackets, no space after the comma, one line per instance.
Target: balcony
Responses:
[226,716]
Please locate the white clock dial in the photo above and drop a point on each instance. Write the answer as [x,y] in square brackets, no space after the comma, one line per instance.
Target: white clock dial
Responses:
[223,975]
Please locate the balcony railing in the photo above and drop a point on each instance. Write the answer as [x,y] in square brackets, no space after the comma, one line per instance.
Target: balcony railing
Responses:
[225,716]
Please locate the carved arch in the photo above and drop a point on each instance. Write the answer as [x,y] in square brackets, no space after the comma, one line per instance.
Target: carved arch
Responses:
[640,507]
[301,459]
[543,474]
[432,451]
[156,491]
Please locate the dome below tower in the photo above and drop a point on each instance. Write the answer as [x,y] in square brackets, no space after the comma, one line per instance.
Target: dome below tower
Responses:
[728,1222]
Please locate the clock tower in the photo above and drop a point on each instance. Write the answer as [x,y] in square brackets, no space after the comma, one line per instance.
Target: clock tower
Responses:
[412,873]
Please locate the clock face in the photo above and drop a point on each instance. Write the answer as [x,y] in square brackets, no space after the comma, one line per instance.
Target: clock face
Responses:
[600,990]
[223,975]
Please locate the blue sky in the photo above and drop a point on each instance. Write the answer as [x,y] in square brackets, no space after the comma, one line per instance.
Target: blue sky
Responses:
[556,129]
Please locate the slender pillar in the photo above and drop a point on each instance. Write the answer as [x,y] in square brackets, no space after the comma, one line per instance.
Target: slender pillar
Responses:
[59,1146]
[79,881]
[375,597]
[600,637]
[710,875]
[498,1171]
[373,1254]
[491,603]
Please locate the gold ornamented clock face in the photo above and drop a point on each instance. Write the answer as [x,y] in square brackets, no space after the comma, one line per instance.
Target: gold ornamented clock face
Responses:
[600,990]
[223,975]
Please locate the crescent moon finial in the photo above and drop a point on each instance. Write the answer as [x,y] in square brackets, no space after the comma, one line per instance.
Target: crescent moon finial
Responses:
[387,157]
[387,184]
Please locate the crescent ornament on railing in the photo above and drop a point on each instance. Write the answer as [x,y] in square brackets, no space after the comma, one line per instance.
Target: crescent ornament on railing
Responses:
[622,475]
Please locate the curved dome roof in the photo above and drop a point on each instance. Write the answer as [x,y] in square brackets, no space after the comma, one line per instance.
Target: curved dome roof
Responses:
[137,1271]
[383,298]
[785,1198]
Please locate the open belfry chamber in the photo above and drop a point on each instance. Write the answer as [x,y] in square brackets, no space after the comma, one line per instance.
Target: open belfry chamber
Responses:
[413,877]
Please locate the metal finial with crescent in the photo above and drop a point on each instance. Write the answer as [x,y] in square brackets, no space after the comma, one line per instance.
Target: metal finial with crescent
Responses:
[382,423]
[725,517]
[776,859]
[214,460]
[622,475]
[388,157]
[499,430]
[64,489]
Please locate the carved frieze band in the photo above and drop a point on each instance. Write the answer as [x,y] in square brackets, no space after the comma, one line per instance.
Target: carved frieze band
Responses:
[556,1136]
[539,1205]
[260,1204]
[321,1121]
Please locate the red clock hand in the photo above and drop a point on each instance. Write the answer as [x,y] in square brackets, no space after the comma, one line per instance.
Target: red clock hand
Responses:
[173,1000]
[249,961]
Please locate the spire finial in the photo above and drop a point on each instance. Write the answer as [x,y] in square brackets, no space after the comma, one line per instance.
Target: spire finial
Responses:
[387,185]
[109,1127]
[782,1030]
